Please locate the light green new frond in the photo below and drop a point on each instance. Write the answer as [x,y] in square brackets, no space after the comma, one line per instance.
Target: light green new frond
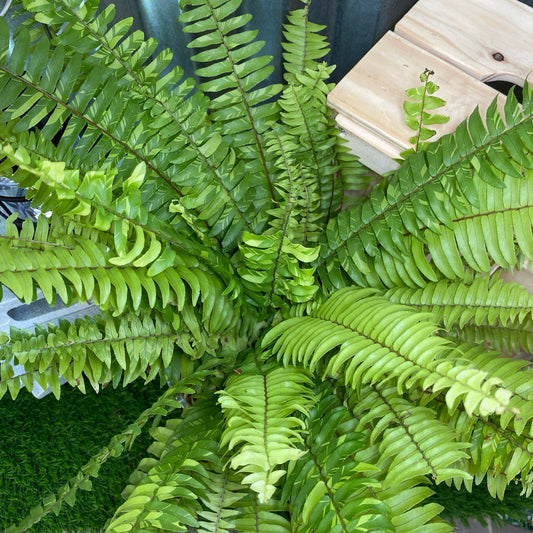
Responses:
[327,489]
[412,441]
[303,43]
[513,374]
[261,430]
[367,339]
[485,301]
[417,115]
[271,268]
[466,170]
[234,70]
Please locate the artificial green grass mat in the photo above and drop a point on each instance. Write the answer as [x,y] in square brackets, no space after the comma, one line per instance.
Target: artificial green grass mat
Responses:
[43,443]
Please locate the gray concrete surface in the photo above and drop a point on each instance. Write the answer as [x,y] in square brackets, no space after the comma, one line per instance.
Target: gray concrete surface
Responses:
[478,528]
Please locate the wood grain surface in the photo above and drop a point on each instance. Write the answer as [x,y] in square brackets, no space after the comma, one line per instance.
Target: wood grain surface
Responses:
[488,39]
[370,98]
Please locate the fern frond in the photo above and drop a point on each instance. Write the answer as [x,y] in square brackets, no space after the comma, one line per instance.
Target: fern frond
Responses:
[271,268]
[416,113]
[327,489]
[164,493]
[367,339]
[297,212]
[406,495]
[309,121]
[412,441]
[271,262]
[234,70]
[101,349]
[514,374]
[158,129]
[261,431]
[511,338]
[82,271]
[484,302]
[303,43]
[465,170]
[496,455]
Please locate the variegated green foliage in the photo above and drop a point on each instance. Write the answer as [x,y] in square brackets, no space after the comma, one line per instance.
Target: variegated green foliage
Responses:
[209,223]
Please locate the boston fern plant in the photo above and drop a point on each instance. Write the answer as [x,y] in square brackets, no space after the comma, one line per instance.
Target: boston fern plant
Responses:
[324,357]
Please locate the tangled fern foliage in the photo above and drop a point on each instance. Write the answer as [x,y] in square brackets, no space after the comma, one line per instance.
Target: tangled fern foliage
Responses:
[323,358]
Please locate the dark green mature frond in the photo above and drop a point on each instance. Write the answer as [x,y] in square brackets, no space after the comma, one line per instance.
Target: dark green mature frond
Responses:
[327,489]
[466,170]
[511,338]
[101,349]
[297,212]
[310,123]
[404,497]
[303,43]
[484,302]
[274,265]
[172,138]
[367,339]
[234,71]
[261,430]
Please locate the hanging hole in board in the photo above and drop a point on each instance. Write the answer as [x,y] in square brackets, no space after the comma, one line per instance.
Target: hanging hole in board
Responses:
[505,87]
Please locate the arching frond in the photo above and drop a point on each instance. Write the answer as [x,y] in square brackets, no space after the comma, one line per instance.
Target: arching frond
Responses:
[366,339]
[511,338]
[116,446]
[403,492]
[483,302]
[101,349]
[412,441]
[496,456]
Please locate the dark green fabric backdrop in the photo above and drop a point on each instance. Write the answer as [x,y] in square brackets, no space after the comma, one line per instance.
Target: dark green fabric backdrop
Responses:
[353,25]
